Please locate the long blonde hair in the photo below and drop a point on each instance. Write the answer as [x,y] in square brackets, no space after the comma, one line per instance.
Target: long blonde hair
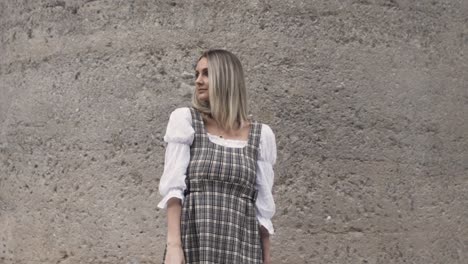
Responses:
[227,92]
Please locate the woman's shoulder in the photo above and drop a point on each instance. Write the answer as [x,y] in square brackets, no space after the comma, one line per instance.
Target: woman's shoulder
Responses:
[181,114]
[267,137]
[267,144]
[266,131]
[179,128]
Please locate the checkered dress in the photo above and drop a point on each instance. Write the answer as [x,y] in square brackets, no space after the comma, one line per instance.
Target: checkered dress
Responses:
[218,222]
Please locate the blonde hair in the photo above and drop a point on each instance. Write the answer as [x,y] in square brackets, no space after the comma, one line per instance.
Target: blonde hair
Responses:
[227,92]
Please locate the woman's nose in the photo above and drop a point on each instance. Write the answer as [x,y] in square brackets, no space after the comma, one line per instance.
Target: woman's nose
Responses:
[199,79]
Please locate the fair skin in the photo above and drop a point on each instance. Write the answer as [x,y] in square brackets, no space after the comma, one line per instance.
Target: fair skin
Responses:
[175,254]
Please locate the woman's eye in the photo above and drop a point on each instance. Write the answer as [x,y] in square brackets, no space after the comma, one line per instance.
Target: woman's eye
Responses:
[205,73]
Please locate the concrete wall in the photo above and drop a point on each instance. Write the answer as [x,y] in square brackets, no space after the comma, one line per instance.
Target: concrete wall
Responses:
[368,100]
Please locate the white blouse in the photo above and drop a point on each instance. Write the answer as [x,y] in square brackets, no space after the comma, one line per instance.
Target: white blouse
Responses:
[179,136]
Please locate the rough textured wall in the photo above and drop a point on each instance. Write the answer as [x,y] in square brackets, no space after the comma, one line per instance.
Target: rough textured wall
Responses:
[368,100]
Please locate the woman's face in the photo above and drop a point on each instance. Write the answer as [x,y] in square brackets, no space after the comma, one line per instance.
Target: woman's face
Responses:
[201,80]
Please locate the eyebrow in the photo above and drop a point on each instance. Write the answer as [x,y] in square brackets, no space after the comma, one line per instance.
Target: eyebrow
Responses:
[204,69]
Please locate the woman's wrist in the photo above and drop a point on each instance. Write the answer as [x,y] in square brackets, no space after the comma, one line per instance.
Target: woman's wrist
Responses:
[173,239]
[174,244]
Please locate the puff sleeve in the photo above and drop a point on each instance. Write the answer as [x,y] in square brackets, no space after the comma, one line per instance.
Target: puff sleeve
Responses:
[265,205]
[179,136]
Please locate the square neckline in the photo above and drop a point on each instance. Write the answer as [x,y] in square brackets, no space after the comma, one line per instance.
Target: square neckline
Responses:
[205,133]
[243,141]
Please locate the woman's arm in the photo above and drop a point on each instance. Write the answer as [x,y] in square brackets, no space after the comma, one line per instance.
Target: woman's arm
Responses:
[179,136]
[265,204]
[174,209]
[265,237]
[174,253]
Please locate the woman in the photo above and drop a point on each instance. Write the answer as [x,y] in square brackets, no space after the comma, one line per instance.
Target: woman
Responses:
[218,172]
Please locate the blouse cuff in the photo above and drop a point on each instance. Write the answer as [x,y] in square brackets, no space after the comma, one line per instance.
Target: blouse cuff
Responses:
[265,222]
[172,193]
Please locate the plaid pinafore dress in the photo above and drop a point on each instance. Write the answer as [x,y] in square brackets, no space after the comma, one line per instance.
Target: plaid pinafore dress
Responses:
[218,221]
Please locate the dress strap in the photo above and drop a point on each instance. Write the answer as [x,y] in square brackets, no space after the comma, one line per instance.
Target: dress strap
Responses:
[196,118]
[200,140]
[253,144]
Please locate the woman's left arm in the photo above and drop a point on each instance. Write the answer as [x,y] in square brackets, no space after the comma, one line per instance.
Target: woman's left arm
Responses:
[265,204]
[265,236]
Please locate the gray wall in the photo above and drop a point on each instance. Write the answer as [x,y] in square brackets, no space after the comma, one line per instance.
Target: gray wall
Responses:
[368,100]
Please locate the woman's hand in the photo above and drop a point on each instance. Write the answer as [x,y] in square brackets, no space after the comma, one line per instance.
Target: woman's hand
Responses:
[174,254]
